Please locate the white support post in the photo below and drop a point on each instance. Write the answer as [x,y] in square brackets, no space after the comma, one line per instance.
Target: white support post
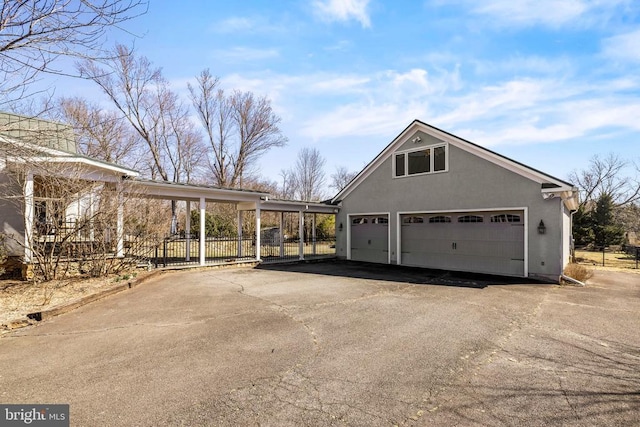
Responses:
[92,212]
[120,221]
[313,233]
[29,211]
[301,233]
[187,232]
[203,209]
[258,232]
[281,234]
[239,225]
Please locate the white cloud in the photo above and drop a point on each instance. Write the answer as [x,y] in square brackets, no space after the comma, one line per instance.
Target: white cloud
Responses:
[333,107]
[343,10]
[623,47]
[244,54]
[551,13]
[246,25]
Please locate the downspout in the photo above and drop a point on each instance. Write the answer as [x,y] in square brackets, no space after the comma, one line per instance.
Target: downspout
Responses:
[572,280]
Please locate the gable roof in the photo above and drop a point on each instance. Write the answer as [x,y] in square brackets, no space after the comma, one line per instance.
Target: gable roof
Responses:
[549,184]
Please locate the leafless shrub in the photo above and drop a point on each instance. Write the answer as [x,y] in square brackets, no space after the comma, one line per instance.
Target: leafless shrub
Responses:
[578,272]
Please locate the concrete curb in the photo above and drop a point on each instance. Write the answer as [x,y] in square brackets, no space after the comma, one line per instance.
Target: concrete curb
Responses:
[35,317]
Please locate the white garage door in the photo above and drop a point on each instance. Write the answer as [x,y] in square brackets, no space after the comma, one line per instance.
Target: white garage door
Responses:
[370,238]
[483,242]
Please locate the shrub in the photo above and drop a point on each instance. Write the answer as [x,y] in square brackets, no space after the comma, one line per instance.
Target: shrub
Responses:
[578,272]
[3,253]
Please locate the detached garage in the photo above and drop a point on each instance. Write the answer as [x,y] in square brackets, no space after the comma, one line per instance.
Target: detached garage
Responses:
[431,199]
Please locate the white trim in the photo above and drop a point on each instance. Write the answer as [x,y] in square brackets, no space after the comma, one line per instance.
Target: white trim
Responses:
[387,214]
[481,152]
[74,159]
[525,211]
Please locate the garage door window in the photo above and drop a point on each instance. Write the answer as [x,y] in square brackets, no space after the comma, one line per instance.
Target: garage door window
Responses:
[505,218]
[423,161]
[471,218]
[358,221]
[439,219]
[381,220]
[412,220]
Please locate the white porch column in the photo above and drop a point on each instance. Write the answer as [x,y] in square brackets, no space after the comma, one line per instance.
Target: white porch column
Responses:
[203,208]
[313,232]
[239,225]
[187,232]
[120,222]
[301,233]
[29,211]
[281,234]
[258,257]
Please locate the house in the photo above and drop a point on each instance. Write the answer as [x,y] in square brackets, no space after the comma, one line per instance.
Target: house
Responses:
[432,199]
[51,196]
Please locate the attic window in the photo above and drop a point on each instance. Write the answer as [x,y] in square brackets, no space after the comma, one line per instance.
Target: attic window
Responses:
[423,161]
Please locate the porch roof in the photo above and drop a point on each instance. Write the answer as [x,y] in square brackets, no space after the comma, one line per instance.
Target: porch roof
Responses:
[245,199]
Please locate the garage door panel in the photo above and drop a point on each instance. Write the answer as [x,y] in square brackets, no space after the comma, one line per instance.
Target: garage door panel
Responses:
[370,238]
[486,247]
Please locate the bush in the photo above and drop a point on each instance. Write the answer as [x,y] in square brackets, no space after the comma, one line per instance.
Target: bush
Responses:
[3,253]
[578,272]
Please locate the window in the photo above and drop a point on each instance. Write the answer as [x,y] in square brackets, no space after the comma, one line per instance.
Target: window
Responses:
[439,219]
[419,162]
[412,220]
[439,161]
[381,220]
[358,221]
[425,160]
[471,218]
[505,218]
[400,165]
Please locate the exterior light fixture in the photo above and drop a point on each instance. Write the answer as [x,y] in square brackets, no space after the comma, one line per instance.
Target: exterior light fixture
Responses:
[542,228]
[340,227]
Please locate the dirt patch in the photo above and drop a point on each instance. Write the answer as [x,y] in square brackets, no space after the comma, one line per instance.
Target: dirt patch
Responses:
[19,298]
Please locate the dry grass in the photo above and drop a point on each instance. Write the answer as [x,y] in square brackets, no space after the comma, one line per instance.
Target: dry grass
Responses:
[578,272]
[19,298]
[611,259]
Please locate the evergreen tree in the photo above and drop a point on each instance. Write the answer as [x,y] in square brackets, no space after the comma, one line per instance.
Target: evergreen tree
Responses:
[605,230]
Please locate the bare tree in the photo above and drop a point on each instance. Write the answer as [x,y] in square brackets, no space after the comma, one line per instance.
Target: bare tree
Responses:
[607,176]
[308,175]
[144,99]
[239,128]
[341,177]
[288,189]
[100,133]
[35,33]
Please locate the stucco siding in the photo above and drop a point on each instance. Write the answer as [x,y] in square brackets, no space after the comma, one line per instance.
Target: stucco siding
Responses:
[471,183]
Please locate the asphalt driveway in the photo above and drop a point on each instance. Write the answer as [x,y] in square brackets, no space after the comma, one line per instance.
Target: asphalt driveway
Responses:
[337,344]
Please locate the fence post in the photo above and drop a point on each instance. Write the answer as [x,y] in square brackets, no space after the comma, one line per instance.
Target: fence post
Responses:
[603,255]
[164,252]
[637,255]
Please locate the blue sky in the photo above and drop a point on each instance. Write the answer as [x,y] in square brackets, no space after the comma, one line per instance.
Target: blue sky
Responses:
[546,82]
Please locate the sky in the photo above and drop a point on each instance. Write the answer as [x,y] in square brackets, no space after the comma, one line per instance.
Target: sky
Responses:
[549,83]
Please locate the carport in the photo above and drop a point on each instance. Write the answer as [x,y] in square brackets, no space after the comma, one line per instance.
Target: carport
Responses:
[245,201]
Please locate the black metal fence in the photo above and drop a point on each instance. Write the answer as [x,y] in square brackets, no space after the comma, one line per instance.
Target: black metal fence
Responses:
[161,252]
